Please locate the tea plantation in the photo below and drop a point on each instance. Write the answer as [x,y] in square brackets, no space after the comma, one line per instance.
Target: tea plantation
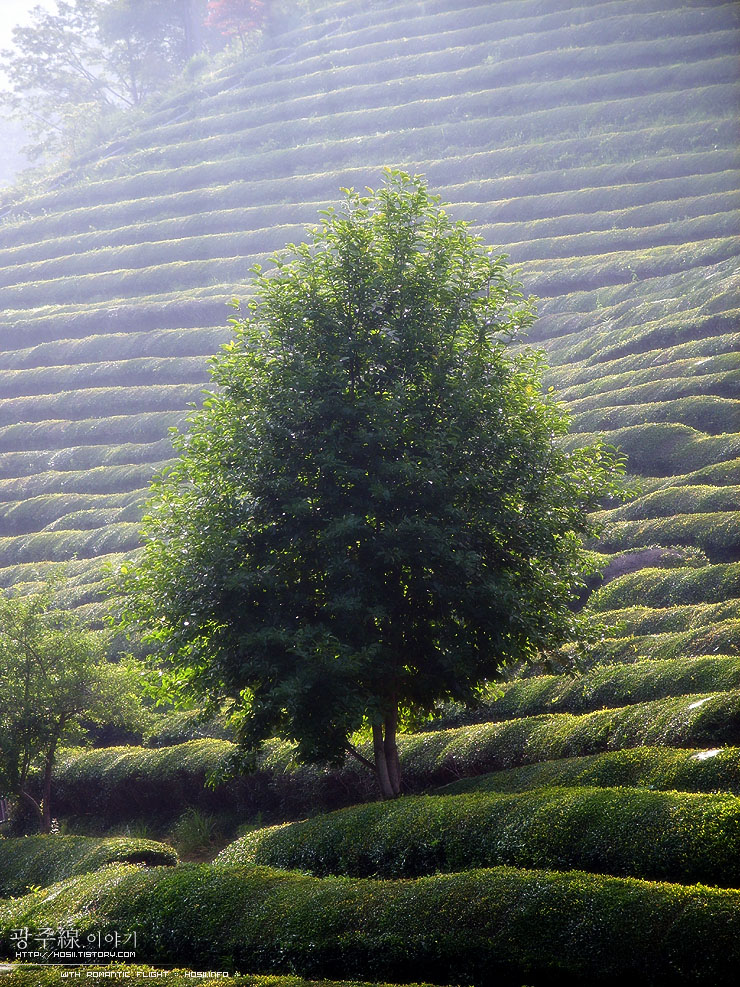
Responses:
[572,830]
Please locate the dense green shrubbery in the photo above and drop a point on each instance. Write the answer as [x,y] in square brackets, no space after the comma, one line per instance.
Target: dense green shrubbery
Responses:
[178,727]
[722,638]
[38,861]
[661,620]
[684,499]
[683,837]
[121,782]
[663,449]
[660,768]
[663,587]
[602,686]
[481,926]
[50,977]
[718,534]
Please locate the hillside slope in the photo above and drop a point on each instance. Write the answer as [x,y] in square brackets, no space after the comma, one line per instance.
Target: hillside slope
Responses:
[597,144]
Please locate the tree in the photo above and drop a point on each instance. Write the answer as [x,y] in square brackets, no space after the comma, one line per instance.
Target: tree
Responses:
[236,18]
[88,58]
[54,676]
[373,512]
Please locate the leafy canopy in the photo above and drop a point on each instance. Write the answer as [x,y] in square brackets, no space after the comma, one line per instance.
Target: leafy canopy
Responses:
[372,512]
[55,681]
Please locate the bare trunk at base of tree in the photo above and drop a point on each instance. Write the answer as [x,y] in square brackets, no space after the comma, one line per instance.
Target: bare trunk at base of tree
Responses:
[385,749]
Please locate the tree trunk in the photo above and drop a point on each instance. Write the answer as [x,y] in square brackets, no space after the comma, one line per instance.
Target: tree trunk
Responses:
[381,765]
[385,748]
[390,746]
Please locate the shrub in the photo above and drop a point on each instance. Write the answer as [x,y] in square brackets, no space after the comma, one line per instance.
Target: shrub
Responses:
[40,977]
[683,837]
[660,587]
[660,768]
[480,926]
[120,782]
[43,860]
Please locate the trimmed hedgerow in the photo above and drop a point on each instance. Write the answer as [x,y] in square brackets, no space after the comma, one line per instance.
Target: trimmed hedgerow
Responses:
[124,782]
[717,533]
[38,861]
[49,977]
[683,837]
[669,501]
[680,586]
[661,620]
[722,638]
[602,686]
[479,926]
[658,768]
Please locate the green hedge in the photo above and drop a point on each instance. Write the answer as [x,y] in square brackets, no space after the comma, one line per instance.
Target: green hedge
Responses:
[603,686]
[482,926]
[659,768]
[685,499]
[682,837]
[670,587]
[663,620]
[53,977]
[125,782]
[717,533]
[722,638]
[38,861]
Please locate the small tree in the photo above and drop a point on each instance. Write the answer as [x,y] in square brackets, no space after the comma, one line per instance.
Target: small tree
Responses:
[237,18]
[54,677]
[373,513]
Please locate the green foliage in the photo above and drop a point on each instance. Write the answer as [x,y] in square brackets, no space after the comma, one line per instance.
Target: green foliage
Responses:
[602,686]
[54,677]
[195,832]
[686,838]
[681,586]
[474,926]
[372,513]
[121,782]
[660,768]
[38,861]
[40,977]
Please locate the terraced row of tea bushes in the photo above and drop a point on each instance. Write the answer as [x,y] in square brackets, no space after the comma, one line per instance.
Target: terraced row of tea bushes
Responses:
[503,923]
[679,586]
[124,782]
[662,449]
[34,976]
[15,465]
[716,533]
[684,499]
[145,427]
[684,837]
[38,861]
[676,380]
[137,372]
[707,413]
[602,687]
[24,516]
[655,366]
[84,403]
[644,620]
[657,768]
[722,638]
[101,481]
[100,538]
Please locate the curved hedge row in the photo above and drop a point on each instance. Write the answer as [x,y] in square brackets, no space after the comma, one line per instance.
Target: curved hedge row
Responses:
[49,977]
[659,768]
[38,861]
[683,837]
[127,781]
[605,686]
[652,587]
[481,926]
